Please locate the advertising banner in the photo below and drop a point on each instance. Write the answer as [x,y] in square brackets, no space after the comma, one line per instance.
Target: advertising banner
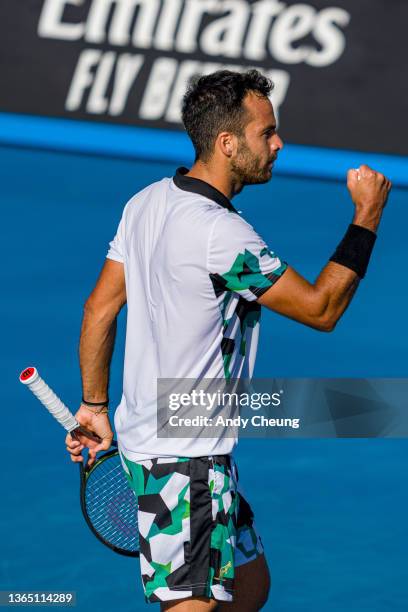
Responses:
[337,65]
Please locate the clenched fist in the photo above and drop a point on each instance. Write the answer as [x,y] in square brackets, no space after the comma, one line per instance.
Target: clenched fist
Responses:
[369,191]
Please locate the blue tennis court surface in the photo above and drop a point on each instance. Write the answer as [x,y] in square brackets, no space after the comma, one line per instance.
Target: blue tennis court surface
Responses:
[332,513]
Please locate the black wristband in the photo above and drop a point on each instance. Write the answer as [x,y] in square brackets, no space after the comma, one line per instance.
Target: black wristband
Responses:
[95,403]
[354,251]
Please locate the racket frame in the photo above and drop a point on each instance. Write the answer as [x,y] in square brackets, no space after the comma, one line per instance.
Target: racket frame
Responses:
[84,473]
[30,377]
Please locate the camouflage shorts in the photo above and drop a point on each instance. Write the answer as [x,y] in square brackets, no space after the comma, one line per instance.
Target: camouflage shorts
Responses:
[195,527]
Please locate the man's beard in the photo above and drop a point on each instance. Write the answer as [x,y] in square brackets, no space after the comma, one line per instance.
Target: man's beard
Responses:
[248,168]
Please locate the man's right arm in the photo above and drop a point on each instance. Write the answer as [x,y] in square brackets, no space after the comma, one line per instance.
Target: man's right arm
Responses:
[321,304]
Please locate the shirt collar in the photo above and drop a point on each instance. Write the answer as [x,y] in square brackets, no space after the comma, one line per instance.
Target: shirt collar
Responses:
[194,185]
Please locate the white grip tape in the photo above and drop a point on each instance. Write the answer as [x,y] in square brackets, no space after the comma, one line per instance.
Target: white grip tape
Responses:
[51,401]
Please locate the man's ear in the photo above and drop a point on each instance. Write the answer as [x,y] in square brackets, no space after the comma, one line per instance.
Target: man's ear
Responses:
[227,143]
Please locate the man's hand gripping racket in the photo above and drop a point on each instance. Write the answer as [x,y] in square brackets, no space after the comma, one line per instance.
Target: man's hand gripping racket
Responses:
[85,429]
[108,504]
[93,432]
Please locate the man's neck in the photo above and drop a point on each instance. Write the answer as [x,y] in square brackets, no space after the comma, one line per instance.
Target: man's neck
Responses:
[216,177]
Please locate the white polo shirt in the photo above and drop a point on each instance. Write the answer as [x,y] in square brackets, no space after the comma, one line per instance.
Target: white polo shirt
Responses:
[194,270]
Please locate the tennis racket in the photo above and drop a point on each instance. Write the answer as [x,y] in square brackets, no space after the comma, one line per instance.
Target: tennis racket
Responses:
[108,504]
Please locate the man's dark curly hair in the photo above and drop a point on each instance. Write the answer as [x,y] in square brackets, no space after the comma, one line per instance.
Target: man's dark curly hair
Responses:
[214,104]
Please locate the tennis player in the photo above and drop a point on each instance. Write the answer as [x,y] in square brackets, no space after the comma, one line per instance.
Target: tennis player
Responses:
[194,275]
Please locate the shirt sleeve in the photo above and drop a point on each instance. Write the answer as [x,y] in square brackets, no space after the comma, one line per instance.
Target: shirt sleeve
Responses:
[117,245]
[240,261]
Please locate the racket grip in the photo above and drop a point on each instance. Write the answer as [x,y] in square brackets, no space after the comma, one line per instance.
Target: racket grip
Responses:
[60,412]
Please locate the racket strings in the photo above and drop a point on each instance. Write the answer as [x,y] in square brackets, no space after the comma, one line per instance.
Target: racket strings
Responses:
[111,505]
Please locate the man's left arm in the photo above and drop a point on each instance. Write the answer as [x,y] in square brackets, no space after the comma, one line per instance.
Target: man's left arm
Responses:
[99,330]
[95,353]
